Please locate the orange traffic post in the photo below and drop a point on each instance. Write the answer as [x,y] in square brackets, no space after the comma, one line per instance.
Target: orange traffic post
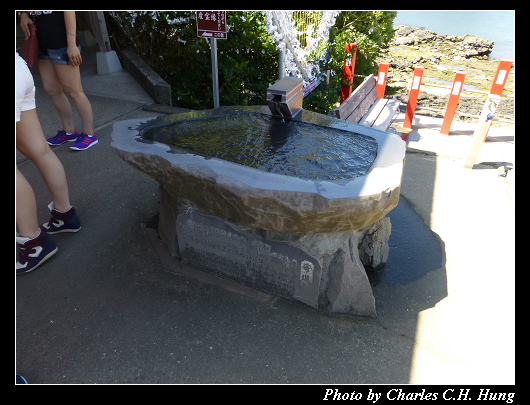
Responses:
[452,103]
[413,97]
[381,79]
[500,77]
[348,67]
[499,81]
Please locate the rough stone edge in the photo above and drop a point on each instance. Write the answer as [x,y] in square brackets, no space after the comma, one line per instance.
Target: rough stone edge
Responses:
[133,154]
[151,82]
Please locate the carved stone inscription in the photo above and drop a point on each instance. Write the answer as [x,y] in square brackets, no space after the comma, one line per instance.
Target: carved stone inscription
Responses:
[213,244]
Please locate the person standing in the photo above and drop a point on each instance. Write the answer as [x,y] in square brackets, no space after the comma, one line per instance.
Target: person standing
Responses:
[35,245]
[59,60]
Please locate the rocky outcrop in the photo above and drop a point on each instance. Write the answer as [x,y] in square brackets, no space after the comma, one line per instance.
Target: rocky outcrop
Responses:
[441,56]
[467,46]
[406,35]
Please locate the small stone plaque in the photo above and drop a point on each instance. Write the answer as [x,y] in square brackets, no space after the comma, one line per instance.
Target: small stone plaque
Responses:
[281,268]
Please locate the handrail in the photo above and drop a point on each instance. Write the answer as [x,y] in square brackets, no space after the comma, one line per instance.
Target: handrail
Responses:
[441,86]
[449,88]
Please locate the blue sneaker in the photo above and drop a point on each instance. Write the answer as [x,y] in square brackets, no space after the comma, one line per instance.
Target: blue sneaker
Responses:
[62,137]
[84,141]
[62,221]
[33,252]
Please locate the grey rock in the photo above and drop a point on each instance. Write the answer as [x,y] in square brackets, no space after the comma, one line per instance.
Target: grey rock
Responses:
[403,31]
[404,41]
[422,34]
[474,45]
[454,38]
[462,46]
[373,247]
[412,35]
[323,271]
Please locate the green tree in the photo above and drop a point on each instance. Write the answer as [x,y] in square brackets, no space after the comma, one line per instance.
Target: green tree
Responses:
[247,59]
[168,42]
[372,31]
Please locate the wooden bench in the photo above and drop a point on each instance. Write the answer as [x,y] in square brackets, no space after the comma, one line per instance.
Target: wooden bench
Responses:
[364,108]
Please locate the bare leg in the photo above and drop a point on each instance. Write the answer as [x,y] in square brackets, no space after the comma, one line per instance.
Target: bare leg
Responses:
[70,79]
[31,142]
[54,89]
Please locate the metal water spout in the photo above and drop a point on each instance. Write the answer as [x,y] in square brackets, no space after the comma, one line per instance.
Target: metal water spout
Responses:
[285,98]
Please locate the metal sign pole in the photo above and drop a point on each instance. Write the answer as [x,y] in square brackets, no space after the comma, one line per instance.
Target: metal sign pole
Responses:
[215,77]
[212,25]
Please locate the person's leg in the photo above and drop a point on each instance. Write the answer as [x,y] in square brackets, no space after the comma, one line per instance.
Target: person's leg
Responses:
[26,214]
[54,89]
[35,246]
[31,142]
[70,79]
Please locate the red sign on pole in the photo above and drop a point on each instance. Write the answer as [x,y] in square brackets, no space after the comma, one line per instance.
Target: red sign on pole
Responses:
[211,24]
[348,67]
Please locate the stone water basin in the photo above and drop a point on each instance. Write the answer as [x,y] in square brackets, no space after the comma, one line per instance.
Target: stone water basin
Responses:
[293,208]
[315,175]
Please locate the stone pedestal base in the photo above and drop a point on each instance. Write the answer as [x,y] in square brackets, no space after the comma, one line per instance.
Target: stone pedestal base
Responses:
[108,62]
[323,270]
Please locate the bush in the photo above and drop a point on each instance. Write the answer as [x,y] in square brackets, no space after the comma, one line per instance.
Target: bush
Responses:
[372,31]
[168,42]
[247,59]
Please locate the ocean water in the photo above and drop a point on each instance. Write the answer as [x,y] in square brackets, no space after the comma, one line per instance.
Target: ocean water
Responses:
[494,25]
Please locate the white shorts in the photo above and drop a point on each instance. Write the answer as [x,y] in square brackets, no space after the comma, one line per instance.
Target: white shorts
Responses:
[24,88]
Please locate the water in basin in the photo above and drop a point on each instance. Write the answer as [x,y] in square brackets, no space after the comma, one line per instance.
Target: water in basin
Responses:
[264,142]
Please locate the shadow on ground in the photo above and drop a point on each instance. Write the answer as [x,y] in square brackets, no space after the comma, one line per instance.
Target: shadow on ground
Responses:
[103,310]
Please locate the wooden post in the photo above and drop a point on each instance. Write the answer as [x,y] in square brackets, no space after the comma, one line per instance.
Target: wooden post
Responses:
[484,123]
[413,97]
[348,67]
[107,59]
[452,103]
[381,79]
[98,27]
[499,81]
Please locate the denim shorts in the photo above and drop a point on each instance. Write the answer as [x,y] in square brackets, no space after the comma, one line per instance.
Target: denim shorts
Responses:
[56,56]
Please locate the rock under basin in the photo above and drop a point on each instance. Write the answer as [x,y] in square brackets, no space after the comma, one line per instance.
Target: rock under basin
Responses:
[293,209]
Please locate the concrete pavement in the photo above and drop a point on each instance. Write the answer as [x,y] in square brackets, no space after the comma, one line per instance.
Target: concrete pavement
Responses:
[111,308]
